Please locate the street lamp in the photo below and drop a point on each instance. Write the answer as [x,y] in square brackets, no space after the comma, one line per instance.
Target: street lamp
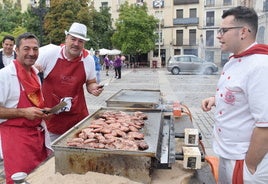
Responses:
[40,9]
[159,4]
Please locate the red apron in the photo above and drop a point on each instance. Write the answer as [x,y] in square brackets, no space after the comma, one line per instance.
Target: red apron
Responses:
[23,142]
[65,80]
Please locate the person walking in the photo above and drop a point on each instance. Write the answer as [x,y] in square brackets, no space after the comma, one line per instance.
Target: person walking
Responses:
[7,54]
[117,66]
[107,64]
[241,118]
[97,66]
[66,69]
[25,139]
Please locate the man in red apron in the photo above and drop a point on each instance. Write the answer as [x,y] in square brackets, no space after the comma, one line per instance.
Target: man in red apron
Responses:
[66,69]
[25,140]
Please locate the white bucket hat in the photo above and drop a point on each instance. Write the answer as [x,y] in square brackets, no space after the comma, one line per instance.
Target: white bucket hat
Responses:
[78,30]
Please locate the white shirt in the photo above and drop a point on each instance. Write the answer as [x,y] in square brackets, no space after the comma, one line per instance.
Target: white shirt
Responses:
[10,93]
[49,54]
[7,59]
[241,104]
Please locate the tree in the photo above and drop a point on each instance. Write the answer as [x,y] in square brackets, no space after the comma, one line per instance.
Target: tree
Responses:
[10,16]
[61,15]
[135,30]
[102,30]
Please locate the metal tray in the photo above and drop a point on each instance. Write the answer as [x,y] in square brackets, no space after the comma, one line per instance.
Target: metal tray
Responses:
[151,131]
[135,98]
[135,165]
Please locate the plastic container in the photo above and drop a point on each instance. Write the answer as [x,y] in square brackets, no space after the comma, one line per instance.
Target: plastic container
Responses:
[19,178]
[176,109]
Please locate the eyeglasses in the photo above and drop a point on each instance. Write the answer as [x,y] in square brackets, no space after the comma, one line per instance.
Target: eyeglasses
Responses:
[223,30]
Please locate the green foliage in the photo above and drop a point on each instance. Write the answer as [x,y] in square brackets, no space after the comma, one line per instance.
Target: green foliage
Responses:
[49,24]
[135,30]
[10,16]
[101,29]
[61,15]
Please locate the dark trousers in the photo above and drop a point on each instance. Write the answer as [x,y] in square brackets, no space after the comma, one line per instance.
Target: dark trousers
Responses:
[117,72]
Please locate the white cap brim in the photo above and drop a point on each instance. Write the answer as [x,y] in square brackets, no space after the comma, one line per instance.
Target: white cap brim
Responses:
[76,35]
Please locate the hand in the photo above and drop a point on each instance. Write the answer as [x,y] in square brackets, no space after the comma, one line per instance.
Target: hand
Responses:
[33,113]
[96,89]
[208,103]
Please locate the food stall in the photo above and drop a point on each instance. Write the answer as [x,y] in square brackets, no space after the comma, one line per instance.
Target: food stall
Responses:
[161,132]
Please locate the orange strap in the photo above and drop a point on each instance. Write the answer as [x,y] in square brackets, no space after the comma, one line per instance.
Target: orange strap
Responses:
[214,165]
[238,172]
[30,83]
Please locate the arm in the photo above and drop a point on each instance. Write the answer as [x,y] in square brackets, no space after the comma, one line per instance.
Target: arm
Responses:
[30,113]
[208,103]
[93,88]
[257,149]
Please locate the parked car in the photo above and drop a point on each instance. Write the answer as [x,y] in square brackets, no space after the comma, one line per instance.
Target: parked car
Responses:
[191,64]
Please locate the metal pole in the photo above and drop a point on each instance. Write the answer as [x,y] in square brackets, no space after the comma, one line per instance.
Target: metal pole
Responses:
[159,33]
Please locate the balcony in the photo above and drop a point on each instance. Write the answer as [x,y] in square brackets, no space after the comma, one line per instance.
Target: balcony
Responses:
[183,2]
[186,21]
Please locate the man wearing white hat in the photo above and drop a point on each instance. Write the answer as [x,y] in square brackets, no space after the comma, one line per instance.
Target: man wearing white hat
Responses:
[66,69]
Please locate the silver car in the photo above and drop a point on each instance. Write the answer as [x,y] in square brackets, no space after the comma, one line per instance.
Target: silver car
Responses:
[191,64]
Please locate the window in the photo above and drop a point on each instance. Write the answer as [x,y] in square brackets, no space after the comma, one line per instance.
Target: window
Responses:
[209,56]
[210,18]
[158,3]
[265,6]
[227,2]
[210,2]
[193,13]
[159,35]
[190,51]
[209,38]
[104,5]
[192,37]
[179,13]
[179,37]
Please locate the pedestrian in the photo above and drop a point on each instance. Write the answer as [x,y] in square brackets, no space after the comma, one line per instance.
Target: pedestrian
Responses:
[66,69]
[117,66]
[241,118]
[25,139]
[107,64]
[7,54]
[97,66]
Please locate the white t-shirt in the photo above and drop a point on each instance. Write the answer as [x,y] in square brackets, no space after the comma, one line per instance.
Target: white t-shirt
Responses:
[7,59]
[241,104]
[49,54]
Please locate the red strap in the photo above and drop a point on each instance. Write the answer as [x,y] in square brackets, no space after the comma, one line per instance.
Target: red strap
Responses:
[238,172]
[256,49]
[31,85]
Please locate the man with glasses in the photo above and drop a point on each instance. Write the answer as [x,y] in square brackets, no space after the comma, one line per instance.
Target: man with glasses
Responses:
[241,118]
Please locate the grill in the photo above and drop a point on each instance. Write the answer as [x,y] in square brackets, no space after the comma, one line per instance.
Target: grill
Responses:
[135,98]
[135,165]
[158,133]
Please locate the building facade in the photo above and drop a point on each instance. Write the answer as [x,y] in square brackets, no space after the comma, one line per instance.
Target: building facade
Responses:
[190,26]
[186,26]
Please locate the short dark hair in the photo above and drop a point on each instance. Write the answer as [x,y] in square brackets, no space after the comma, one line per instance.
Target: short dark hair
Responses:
[244,15]
[8,37]
[25,36]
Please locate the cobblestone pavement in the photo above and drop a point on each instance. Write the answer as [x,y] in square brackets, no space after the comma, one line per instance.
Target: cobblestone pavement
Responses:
[188,89]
